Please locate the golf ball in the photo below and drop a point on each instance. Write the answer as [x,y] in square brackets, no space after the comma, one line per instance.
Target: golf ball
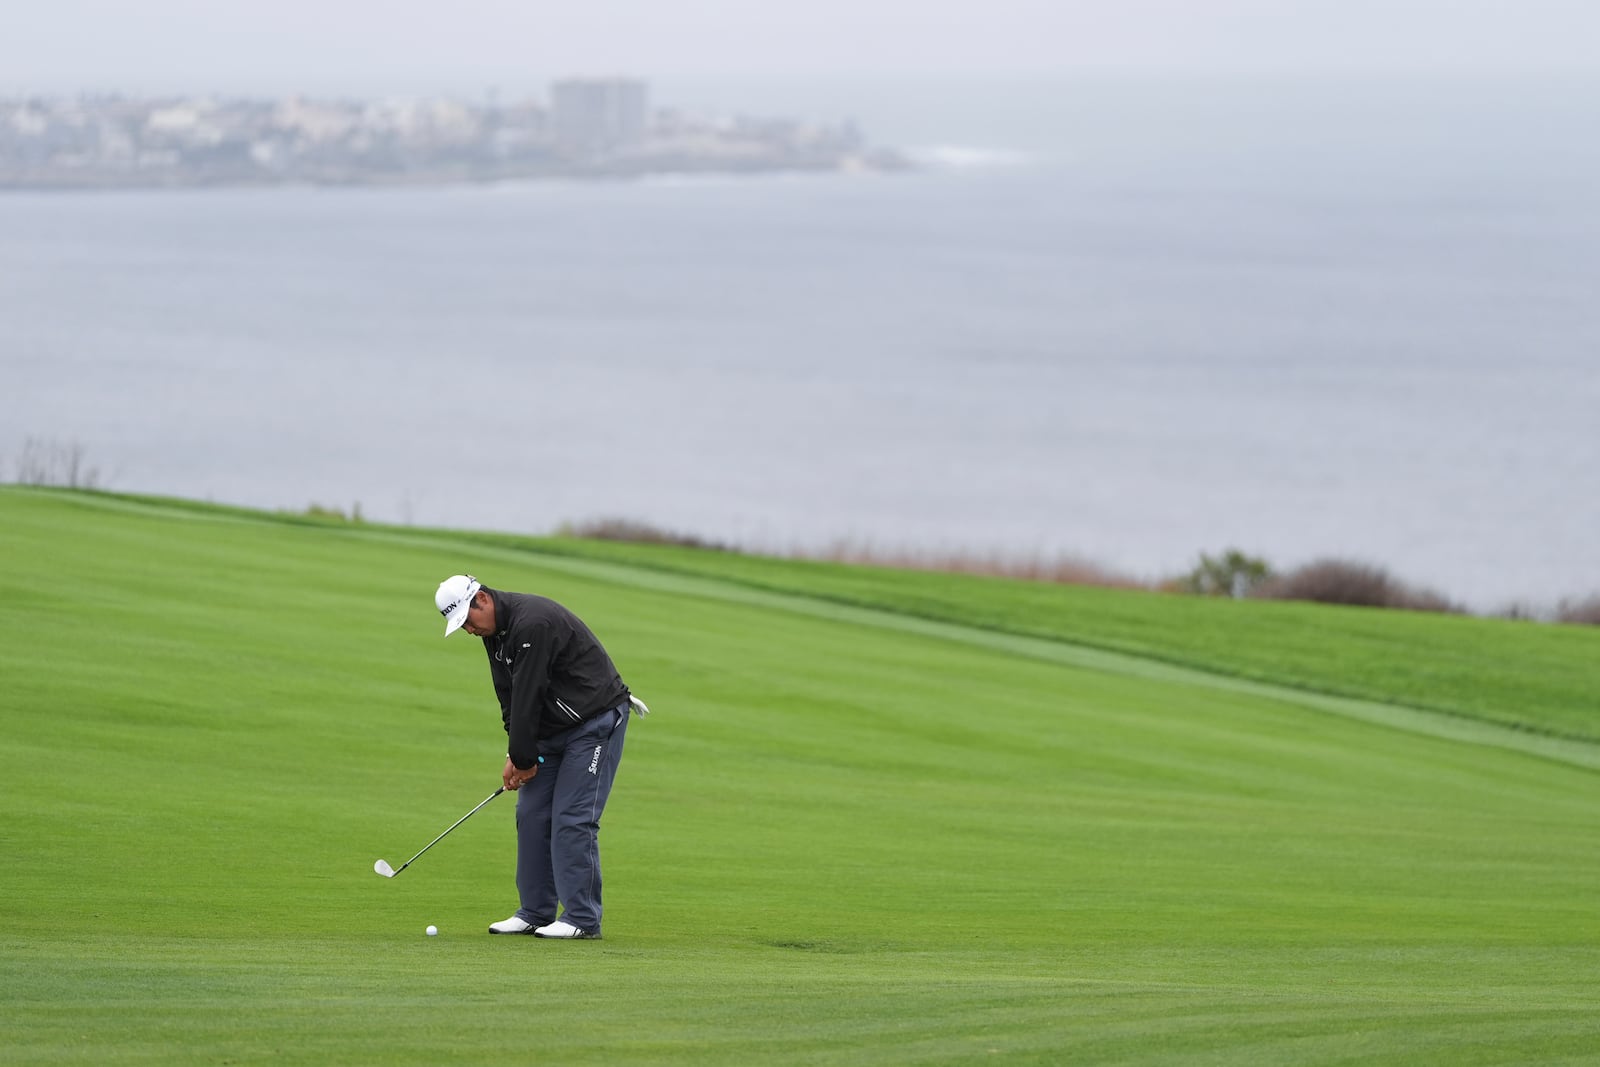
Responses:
[433,931]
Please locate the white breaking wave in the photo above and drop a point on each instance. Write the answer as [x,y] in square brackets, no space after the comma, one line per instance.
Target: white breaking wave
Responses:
[965,156]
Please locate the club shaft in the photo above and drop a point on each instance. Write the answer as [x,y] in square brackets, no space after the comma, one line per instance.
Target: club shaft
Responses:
[453,825]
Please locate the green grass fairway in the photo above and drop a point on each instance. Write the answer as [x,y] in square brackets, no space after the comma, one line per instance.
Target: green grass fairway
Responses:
[872,821]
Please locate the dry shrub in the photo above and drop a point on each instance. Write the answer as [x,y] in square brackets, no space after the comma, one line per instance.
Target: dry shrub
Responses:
[1061,570]
[56,463]
[1065,570]
[1338,581]
[1584,612]
[635,532]
[1519,611]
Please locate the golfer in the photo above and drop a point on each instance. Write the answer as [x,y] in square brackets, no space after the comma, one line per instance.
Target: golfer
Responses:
[565,711]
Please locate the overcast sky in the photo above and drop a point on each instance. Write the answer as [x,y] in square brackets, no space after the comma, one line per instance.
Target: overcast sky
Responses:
[406,45]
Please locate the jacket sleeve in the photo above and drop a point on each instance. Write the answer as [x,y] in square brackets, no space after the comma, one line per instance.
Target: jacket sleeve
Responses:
[532,654]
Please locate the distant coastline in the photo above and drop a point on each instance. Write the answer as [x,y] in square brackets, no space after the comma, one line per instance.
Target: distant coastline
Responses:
[587,129]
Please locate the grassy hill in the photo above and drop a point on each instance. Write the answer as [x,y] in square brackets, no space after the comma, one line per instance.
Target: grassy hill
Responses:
[876,818]
[1539,678]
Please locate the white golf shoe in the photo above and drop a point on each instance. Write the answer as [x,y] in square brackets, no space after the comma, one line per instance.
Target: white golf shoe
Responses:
[563,929]
[512,925]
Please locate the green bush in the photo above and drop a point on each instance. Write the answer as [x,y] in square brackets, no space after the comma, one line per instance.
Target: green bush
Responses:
[1230,574]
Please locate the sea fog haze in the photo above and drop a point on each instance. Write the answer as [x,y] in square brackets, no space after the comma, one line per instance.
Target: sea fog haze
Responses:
[1128,321]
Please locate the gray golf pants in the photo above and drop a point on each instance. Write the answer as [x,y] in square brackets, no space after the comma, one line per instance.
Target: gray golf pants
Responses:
[558,822]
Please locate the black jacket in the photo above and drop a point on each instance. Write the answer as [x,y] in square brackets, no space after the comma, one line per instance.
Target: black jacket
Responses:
[550,671]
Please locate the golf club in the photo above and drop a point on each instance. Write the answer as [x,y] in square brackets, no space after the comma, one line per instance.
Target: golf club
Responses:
[382,866]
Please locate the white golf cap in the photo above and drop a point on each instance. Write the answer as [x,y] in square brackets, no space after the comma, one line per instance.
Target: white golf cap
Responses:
[454,599]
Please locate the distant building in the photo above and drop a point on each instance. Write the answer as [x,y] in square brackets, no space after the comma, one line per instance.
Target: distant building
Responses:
[593,128]
[597,115]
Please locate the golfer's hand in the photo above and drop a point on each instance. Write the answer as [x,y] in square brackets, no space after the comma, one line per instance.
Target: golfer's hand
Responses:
[512,777]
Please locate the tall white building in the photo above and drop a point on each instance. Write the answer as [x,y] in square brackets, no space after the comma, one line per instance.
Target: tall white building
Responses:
[599,114]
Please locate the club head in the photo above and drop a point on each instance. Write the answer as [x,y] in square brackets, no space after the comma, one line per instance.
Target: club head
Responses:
[383,868]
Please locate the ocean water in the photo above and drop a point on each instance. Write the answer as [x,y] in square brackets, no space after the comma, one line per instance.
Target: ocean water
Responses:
[1124,322]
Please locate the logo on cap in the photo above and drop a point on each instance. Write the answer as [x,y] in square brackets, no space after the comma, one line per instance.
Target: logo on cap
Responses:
[454,599]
